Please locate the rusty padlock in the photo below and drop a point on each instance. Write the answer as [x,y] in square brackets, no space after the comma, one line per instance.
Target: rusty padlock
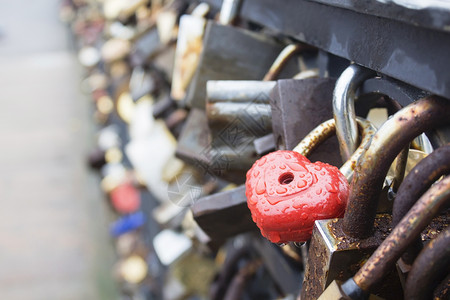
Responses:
[429,268]
[420,116]
[410,227]
[421,177]
[292,101]
[338,247]
[395,95]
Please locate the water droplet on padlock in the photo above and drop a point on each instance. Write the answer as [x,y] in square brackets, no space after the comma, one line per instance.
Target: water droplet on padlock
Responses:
[262,161]
[301,183]
[331,188]
[297,167]
[315,180]
[260,187]
[281,190]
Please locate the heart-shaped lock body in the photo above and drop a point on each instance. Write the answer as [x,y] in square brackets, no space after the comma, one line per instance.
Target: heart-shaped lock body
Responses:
[286,193]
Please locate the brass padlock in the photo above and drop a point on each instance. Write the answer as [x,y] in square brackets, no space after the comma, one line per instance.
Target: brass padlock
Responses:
[356,232]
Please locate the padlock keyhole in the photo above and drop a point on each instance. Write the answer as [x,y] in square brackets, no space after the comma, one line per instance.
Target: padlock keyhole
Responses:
[286,178]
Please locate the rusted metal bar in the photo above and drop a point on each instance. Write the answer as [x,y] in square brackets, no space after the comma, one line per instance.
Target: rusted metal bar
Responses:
[326,130]
[430,267]
[390,139]
[421,177]
[239,282]
[282,59]
[400,168]
[419,180]
[228,271]
[409,228]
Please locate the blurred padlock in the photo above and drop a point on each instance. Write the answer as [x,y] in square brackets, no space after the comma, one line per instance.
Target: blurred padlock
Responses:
[244,104]
[167,19]
[125,198]
[238,113]
[221,60]
[132,269]
[189,47]
[224,214]
[127,223]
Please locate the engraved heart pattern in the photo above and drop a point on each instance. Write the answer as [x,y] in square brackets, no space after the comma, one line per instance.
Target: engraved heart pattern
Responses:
[286,193]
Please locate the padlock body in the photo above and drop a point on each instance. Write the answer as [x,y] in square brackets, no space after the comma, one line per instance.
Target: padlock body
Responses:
[286,193]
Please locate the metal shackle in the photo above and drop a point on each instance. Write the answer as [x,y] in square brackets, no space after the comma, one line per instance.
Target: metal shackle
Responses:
[326,130]
[222,95]
[344,107]
[418,181]
[410,227]
[285,55]
[430,267]
[372,167]
[229,11]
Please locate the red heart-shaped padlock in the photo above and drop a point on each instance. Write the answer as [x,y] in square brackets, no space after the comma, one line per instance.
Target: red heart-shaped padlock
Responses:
[286,193]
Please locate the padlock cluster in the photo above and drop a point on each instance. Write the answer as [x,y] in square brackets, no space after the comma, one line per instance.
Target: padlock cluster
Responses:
[243,163]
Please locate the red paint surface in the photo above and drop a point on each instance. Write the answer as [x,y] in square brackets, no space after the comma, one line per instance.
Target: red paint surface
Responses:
[125,198]
[285,212]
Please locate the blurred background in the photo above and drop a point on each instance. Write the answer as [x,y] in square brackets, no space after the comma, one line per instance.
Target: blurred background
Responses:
[53,226]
